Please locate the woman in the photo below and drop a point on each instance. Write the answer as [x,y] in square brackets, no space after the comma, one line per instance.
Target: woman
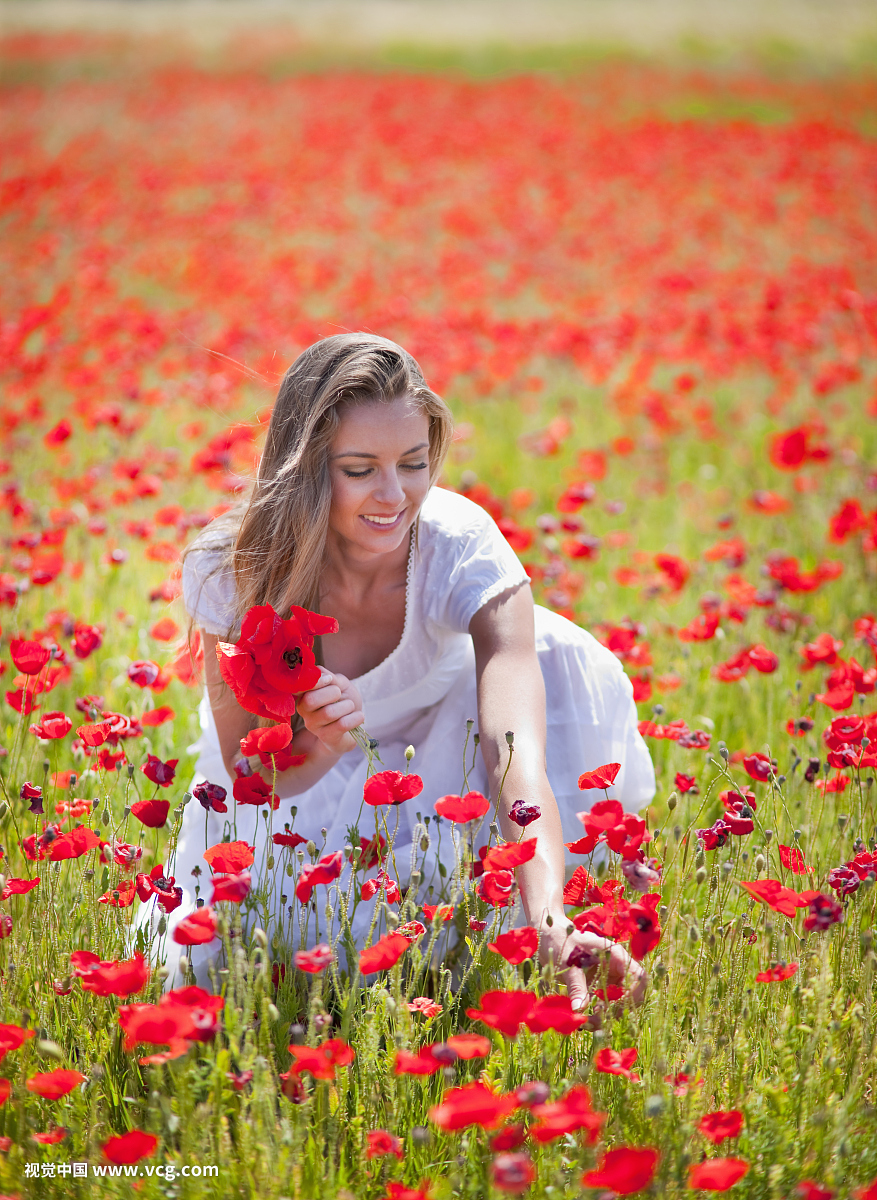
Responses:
[437,625]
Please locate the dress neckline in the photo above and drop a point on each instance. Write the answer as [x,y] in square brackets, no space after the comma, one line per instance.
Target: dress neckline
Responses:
[406,625]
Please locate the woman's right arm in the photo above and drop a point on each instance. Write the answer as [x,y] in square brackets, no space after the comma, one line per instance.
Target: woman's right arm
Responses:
[329,711]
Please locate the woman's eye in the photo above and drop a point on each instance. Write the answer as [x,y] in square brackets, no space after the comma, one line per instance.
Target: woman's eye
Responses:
[415,466]
[355,474]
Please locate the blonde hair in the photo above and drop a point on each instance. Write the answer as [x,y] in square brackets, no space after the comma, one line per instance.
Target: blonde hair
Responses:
[277,537]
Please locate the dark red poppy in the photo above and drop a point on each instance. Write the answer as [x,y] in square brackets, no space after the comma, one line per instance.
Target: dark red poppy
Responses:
[144,673]
[509,1137]
[391,787]
[823,913]
[624,1170]
[211,796]
[512,1173]
[758,767]
[161,773]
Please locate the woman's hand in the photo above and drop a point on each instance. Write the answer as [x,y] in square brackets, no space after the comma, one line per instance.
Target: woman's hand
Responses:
[330,711]
[601,963]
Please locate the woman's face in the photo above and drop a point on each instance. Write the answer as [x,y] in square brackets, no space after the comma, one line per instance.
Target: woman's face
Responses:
[379,464]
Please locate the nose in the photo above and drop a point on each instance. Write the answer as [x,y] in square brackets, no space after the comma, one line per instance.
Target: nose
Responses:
[389,490]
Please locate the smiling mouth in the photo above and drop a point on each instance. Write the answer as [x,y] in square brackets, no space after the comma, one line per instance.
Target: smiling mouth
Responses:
[386,522]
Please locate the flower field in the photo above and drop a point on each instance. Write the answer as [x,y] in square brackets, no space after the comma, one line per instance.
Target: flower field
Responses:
[650,297]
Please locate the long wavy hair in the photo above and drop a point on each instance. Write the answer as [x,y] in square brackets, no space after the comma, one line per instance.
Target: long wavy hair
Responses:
[276,538]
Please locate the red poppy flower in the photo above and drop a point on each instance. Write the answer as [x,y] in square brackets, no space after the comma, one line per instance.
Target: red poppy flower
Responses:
[51,1137]
[397,1191]
[444,912]
[29,657]
[512,1173]
[578,887]
[600,777]
[644,926]
[130,1147]
[624,1170]
[52,1085]
[716,1126]
[510,855]
[832,786]
[273,660]
[383,954]
[674,570]
[781,899]
[52,725]
[517,945]
[321,1061]
[616,1062]
[462,808]
[113,978]
[702,629]
[509,1137]
[94,734]
[144,673]
[230,857]
[232,888]
[504,1010]
[196,929]
[777,974]
[867,1193]
[381,1144]
[473,1104]
[555,1012]
[823,913]
[158,716]
[18,887]
[326,870]
[120,896]
[252,789]
[686,783]
[314,961]
[567,1115]
[5,1093]
[423,1062]
[758,767]
[290,840]
[12,1037]
[425,1006]
[74,844]
[266,741]
[808,1190]
[391,787]
[793,860]
[717,1174]
[152,813]
[159,772]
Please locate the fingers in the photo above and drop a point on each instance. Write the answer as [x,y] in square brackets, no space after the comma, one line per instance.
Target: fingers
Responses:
[576,988]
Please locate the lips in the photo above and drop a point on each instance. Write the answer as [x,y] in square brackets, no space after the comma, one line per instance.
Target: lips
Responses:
[383,522]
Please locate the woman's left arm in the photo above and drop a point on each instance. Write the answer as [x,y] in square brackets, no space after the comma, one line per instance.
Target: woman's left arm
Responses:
[511,697]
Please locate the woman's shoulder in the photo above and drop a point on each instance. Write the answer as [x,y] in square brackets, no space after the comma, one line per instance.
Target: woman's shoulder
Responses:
[447,514]
[208,581]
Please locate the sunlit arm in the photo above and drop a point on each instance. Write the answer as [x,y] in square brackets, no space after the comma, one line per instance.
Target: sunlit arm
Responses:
[511,698]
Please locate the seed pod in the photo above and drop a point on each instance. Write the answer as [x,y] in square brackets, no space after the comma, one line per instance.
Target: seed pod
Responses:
[672,801]
[700,875]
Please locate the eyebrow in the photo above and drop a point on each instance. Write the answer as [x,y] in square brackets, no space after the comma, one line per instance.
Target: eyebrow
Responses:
[364,454]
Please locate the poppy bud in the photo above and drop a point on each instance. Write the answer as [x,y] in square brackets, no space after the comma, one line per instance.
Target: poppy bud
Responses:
[694,934]
[184,967]
[672,801]
[842,819]
[549,920]
[293,811]
[409,753]
[187,796]
[510,739]
[311,848]
[270,862]
[700,875]
[723,751]
[768,834]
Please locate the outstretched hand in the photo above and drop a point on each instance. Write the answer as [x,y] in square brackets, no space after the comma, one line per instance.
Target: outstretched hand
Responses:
[331,710]
[597,962]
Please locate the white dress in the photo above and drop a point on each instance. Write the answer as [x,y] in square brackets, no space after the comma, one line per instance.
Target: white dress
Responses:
[422,695]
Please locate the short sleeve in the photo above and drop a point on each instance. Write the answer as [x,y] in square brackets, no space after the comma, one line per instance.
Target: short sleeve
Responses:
[208,589]
[473,562]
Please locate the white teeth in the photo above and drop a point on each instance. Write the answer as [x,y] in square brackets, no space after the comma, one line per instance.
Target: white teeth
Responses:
[384,520]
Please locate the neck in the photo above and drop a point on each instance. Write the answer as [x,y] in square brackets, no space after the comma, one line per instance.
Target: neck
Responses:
[347,568]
